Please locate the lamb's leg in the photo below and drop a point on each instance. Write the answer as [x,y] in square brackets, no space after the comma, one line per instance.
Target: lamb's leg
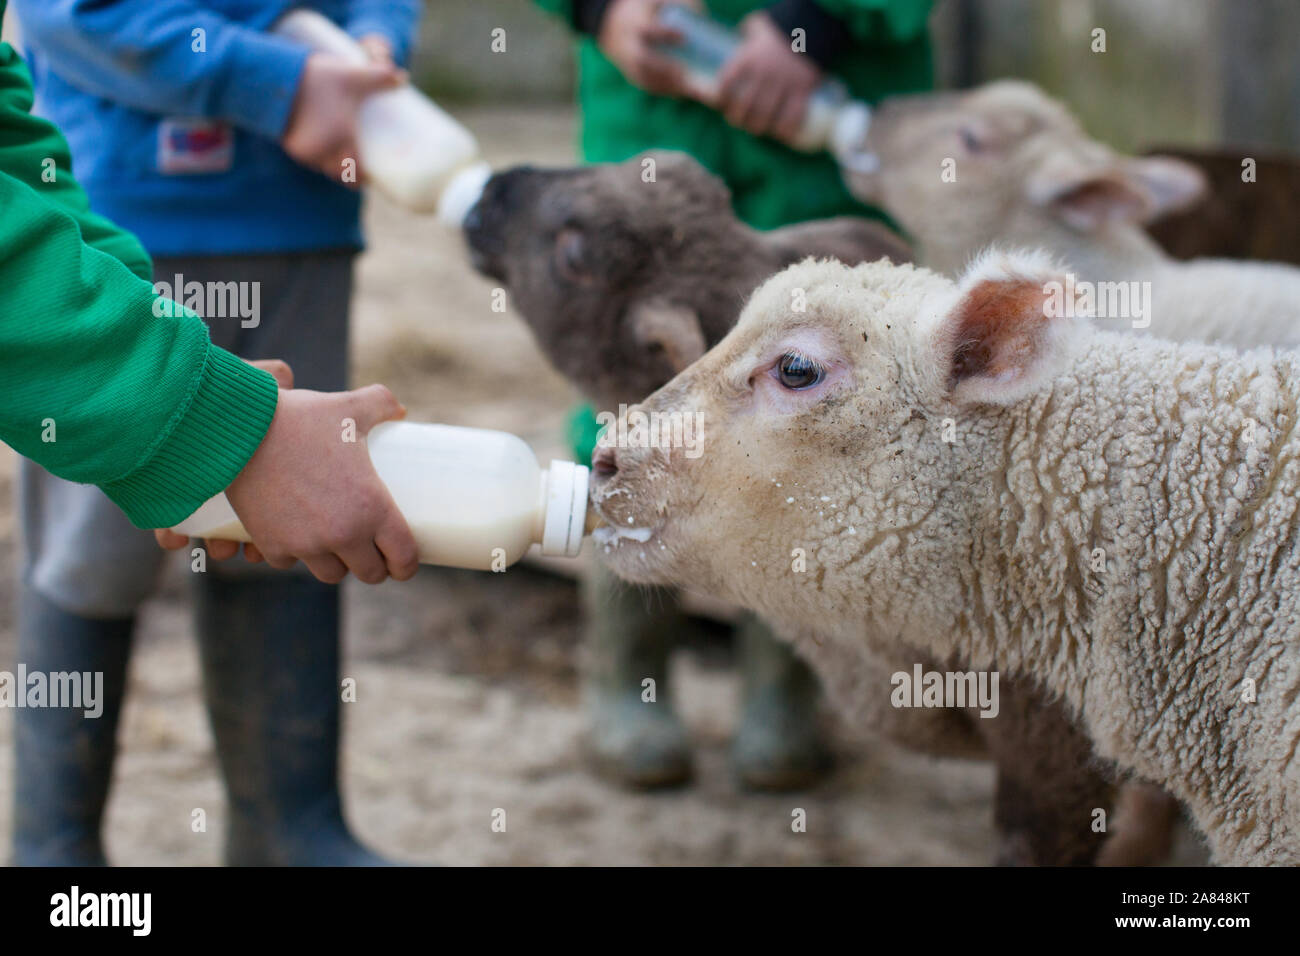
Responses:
[1049,785]
[631,740]
[1143,829]
[780,744]
[858,681]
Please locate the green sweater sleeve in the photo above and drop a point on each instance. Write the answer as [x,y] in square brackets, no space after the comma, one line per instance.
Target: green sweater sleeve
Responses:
[97,383]
[101,386]
[33,151]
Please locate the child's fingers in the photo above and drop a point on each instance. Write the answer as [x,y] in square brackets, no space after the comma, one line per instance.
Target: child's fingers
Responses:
[739,97]
[396,543]
[374,404]
[377,48]
[326,567]
[278,368]
[365,562]
[373,77]
[218,550]
[169,539]
[790,120]
[221,550]
[659,74]
[764,107]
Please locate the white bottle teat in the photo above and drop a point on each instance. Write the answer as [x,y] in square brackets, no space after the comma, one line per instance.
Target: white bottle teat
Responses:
[473,497]
[410,148]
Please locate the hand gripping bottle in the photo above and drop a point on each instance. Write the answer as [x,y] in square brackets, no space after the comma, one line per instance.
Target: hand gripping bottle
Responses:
[833,122]
[412,150]
[473,497]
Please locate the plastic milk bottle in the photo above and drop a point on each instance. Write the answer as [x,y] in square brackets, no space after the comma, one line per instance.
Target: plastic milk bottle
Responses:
[474,498]
[412,150]
[833,121]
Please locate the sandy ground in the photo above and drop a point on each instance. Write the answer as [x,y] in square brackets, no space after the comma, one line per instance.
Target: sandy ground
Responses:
[467,683]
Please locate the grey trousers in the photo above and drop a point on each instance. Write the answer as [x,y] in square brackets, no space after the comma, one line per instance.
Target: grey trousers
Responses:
[79,550]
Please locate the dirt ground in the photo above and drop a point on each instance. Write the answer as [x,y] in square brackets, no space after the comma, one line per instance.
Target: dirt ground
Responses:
[467,682]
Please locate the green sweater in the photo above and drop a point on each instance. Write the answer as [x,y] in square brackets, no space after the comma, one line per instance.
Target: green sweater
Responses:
[94,385]
[886,52]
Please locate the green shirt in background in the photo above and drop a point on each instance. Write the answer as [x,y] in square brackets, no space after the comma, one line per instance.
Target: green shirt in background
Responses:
[94,385]
[771,185]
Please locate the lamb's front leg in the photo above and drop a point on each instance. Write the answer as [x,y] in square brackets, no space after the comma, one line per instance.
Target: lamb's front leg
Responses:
[1049,784]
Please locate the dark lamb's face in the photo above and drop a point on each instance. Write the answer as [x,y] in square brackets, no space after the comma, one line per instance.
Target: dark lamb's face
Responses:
[572,262]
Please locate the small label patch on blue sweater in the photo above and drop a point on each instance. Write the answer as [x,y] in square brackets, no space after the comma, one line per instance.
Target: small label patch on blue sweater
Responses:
[190,145]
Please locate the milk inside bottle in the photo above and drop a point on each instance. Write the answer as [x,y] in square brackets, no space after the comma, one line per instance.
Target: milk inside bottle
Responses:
[834,121]
[412,150]
[473,497]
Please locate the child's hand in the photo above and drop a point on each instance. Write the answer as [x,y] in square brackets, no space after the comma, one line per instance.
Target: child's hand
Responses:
[309,495]
[378,48]
[628,34]
[218,549]
[764,87]
[322,130]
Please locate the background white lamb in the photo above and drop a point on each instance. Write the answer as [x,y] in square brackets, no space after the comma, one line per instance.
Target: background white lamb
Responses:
[1004,163]
[1115,516]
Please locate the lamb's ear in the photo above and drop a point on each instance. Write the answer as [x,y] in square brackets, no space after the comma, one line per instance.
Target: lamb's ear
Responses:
[1171,184]
[1087,195]
[997,341]
[673,329]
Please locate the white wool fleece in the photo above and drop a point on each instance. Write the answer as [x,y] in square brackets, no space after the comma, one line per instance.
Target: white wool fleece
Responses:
[1033,177]
[1115,516]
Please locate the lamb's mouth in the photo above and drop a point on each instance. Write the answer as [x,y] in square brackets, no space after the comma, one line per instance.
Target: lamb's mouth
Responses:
[620,531]
[635,554]
[613,536]
[616,530]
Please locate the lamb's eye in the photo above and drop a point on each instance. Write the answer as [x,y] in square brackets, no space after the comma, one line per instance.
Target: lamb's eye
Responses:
[571,254]
[797,371]
[969,140]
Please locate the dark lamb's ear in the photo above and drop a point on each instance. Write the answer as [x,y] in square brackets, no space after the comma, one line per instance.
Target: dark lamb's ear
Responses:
[1002,340]
[673,329]
[848,239]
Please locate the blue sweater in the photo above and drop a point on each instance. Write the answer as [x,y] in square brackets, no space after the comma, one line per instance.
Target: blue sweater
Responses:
[173,110]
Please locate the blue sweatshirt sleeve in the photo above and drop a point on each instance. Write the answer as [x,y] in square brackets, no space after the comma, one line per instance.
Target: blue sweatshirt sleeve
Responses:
[395,20]
[168,56]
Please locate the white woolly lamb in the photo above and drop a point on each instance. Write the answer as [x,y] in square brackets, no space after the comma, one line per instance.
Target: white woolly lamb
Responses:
[1114,516]
[1004,163]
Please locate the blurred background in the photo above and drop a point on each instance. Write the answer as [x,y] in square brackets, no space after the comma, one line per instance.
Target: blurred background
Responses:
[1177,71]
[467,686]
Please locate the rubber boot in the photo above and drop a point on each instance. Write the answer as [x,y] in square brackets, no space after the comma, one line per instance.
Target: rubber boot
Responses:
[780,744]
[63,759]
[632,741]
[269,646]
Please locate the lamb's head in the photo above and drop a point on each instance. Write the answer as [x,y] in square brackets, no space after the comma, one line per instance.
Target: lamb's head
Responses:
[594,256]
[627,272]
[1006,163]
[827,482]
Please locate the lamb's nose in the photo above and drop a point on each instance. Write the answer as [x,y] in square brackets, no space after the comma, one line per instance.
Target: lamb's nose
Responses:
[604,462]
[473,222]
